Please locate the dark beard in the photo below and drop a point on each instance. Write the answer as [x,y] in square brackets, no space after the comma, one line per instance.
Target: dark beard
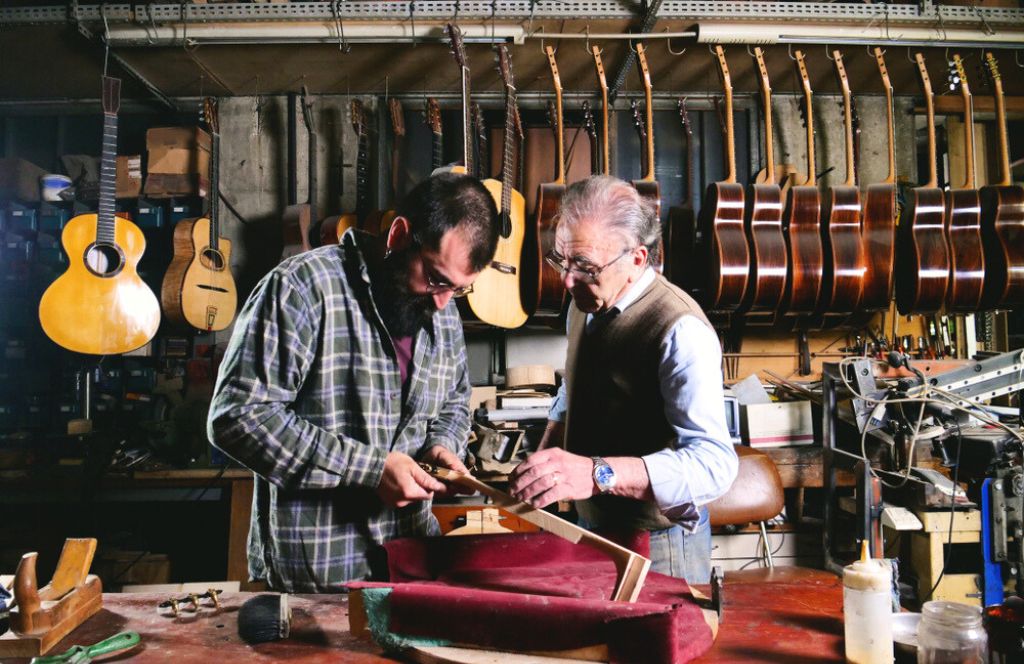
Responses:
[403,312]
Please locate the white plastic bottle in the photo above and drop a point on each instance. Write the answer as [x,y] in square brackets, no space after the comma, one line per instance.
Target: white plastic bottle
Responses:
[867,610]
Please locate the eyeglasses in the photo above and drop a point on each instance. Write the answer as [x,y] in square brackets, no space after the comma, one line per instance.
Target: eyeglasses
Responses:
[587,274]
[435,286]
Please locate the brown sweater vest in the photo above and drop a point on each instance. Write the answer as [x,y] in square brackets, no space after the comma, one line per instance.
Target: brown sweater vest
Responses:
[614,394]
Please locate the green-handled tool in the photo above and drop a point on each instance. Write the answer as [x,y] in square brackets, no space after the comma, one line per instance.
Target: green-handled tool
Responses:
[84,654]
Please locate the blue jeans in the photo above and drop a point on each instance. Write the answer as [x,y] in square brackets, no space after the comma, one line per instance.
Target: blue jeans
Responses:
[675,552]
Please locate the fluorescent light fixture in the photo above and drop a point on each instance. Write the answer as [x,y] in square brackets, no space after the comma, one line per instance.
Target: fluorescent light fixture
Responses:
[305,32]
[838,34]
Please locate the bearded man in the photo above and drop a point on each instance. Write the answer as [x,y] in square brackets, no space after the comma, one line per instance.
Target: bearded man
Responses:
[347,367]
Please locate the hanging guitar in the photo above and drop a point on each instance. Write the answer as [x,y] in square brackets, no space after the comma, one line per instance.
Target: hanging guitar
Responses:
[100,306]
[922,248]
[495,297]
[590,127]
[681,241]
[550,296]
[721,223]
[198,289]
[1002,218]
[963,216]
[843,277]
[603,85]
[459,51]
[379,221]
[300,218]
[648,185]
[802,225]
[334,227]
[879,224]
[763,223]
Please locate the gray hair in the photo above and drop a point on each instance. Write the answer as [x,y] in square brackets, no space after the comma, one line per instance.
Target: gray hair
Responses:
[616,205]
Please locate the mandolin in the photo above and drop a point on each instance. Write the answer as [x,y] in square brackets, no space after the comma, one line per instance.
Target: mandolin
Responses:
[100,305]
[550,293]
[721,223]
[843,277]
[333,227]
[879,223]
[198,289]
[680,233]
[801,223]
[763,223]
[963,217]
[922,248]
[602,83]
[379,221]
[433,115]
[495,298]
[1002,218]
[299,218]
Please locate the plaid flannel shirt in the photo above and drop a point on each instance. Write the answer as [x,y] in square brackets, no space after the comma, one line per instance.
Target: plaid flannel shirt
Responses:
[309,397]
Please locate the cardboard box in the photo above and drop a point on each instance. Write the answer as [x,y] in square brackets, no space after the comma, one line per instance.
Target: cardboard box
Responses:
[777,424]
[178,151]
[169,185]
[19,179]
[129,176]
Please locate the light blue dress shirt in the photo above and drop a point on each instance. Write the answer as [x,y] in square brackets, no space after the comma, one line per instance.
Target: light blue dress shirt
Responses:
[701,465]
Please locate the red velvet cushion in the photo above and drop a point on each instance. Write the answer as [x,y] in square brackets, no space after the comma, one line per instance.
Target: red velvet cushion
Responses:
[538,592]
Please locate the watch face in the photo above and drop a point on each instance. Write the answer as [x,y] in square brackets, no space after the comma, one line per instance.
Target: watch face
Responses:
[604,475]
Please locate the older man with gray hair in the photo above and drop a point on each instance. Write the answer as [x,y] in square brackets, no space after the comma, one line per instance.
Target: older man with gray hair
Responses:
[637,435]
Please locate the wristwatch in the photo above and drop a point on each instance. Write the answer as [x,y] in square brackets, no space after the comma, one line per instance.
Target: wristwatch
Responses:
[604,475]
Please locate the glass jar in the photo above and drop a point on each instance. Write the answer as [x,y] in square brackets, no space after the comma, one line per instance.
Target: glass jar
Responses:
[951,633]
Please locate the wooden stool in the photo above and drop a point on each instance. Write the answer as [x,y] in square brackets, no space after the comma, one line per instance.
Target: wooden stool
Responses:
[927,555]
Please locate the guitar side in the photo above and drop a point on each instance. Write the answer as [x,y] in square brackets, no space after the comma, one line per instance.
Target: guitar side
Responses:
[98,315]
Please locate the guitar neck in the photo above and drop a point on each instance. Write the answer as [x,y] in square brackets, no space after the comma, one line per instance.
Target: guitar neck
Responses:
[890,135]
[467,124]
[812,177]
[559,138]
[968,135]
[108,181]
[730,138]
[929,103]
[649,103]
[766,100]
[1005,179]
[363,177]
[847,119]
[214,195]
[602,81]
[437,144]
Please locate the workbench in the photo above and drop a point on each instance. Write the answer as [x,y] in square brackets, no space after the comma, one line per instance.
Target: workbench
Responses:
[789,615]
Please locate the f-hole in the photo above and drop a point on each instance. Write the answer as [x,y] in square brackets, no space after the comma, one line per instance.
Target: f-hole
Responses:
[104,260]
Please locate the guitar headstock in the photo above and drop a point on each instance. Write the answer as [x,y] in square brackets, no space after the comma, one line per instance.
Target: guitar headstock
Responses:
[926,82]
[684,117]
[958,76]
[457,45]
[111,95]
[588,120]
[641,61]
[991,70]
[397,117]
[601,80]
[723,68]
[762,71]
[844,82]
[209,113]
[638,120]
[805,84]
[505,68]
[434,115]
[883,70]
[554,69]
[358,117]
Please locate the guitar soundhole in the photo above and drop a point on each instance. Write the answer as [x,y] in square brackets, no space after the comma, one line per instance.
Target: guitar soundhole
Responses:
[104,260]
[213,260]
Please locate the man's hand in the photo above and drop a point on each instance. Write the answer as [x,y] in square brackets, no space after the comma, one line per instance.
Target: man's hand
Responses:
[552,475]
[404,482]
[441,456]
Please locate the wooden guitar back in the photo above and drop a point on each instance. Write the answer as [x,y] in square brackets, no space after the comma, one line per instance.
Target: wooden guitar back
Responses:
[879,235]
[806,258]
[967,255]
[922,250]
[768,249]
[100,315]
[843,276]
[721,226]
[1002,226]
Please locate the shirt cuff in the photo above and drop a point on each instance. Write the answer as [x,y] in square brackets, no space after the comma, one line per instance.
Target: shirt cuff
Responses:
[675,502]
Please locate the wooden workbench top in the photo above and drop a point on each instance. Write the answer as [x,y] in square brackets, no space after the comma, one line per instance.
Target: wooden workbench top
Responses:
[782,617]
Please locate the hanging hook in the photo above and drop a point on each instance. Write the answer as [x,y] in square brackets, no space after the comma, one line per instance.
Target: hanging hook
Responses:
[910,58]
[790,49]
[586,31]
[412,20]
[711,50]
[343,44]
[542,48]
[106,38]
[750,53]
[827,54]
[1016,58]
[494,14]
[629,43]
[455,16]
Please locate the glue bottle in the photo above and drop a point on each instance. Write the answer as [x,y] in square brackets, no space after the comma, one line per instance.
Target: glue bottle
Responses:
[867,610]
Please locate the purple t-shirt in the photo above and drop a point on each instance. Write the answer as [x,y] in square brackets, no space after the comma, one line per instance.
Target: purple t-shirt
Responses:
[403,352]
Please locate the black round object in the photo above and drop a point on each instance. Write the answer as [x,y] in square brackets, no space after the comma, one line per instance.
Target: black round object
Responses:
[264,618]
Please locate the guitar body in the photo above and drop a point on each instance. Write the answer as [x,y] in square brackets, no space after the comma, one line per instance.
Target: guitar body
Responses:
[922,265]
[768,260]
[650,191]
[198,289]
[551,292]
[806,264]
[496,298]
[681,244]
[967,257]
[333,227]
[297,221]
[843,276]
[879,239]
[728,255]
[100,307]
[1002,230]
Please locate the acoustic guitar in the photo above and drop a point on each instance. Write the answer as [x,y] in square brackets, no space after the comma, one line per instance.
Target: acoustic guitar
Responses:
[433,116]
[763,224]
[550,294]
[458,49]
[198,289]
[602,83]
[100,305]
[843,277]
[963,216]
[721,222]
[379,221]
[922,248]
[333,227]
[647,186]
[802,224]
[879,223]
[495,298]
[299,219]
[1002,218]
[680,233]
